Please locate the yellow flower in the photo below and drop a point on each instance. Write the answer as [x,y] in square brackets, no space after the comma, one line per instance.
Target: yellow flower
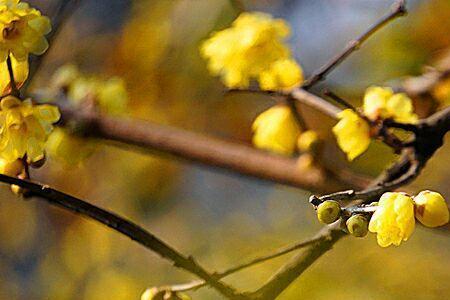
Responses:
[431,209]
[156,294]
[23,30]
[110,95]
[442,92]
[282,74]
[24,128]
[252,48]
[69,149]
[381,102]
[276,130]
[352,134]
[393,221]
[20,70]
[307,140]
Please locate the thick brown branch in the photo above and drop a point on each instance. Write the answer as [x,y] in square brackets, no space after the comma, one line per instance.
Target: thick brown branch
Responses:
[206,150]
[397,10]
[123,226]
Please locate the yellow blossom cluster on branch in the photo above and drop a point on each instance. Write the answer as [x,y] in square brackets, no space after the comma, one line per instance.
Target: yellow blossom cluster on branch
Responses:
[353,132]
[23,30]
[253,48]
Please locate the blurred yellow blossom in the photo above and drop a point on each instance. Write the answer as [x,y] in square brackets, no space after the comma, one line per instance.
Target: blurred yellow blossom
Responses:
[11,168]
[307,140]
[23,30]
[110,95]
[431,209]
[282,74]
[24,128]
[381,102]
[442,92]
[69,149]
[393,221]
[20,70]
[276,130]
[352,134]
[253,48]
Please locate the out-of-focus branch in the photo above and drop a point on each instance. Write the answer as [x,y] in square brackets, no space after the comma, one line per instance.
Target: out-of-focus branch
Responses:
[123,226]
[206,150]
[283,251]
[398,9]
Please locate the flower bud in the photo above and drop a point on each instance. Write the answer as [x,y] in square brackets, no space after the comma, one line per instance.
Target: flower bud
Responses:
[328,211]
[431,209]
[357,225]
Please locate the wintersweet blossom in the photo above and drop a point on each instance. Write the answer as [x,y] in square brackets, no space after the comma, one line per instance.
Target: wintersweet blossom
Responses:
[23,30]
[352,133]
[24,128]
[393,221]
[276,130]
[253,48]
[382,102]
[431,209]
[20,70]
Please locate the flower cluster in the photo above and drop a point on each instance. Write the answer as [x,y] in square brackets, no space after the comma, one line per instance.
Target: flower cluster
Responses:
[107,95]
[23,30]
[24,128]
[353,132]
[253,48]
[276,130]
[394,218]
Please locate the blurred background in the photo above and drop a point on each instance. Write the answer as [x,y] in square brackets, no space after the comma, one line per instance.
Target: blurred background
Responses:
[219,217]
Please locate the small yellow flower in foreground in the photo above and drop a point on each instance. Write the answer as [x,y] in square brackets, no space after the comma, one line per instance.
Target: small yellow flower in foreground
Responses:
[276,130]
[381,102]
[253,48]
[352,134]
[24,128]
[20,70]
[23,30]
[283,74]
[393,221]
[431,209]
[307,140]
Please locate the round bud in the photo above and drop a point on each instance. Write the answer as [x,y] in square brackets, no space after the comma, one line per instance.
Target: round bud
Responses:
[431,209]
[357,225]
[328,211]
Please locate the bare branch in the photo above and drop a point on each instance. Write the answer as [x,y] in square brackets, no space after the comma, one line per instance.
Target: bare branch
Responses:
[397,10]
[206,150]
[123,226]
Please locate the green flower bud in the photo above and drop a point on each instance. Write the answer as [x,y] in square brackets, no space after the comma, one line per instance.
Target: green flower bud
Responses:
[328,211]
[357,225]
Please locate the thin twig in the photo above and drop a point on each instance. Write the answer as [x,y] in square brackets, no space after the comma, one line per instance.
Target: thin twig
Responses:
[398,9]
[12,81]
[123,226]
[283,251]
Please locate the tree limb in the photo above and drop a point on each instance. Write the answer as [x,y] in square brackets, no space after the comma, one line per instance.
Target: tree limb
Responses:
[123,226]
